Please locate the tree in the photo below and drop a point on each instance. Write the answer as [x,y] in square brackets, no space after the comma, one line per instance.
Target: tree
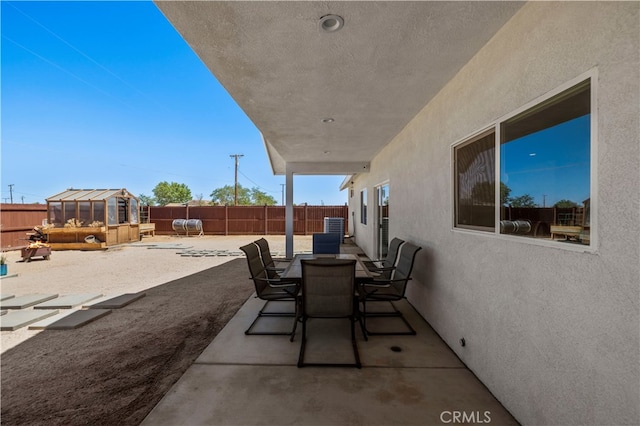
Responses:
[200,200]
[483,193]
[145,200]
[225,196]
[525,200]
[246,197]
[259,198]
[504,194]
[173,192]
[566,204]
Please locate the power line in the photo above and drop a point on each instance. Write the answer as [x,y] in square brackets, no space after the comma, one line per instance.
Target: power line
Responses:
[257,184]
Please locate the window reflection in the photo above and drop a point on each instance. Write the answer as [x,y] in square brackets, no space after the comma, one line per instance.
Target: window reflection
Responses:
[545,169]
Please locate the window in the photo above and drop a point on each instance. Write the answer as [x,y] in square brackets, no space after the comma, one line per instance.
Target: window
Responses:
[98,212]
[544,187]
[69,208]
[55,213]
[112,211]
[475,183]
[123,210]
[134,210]
[84,212]
[363,206]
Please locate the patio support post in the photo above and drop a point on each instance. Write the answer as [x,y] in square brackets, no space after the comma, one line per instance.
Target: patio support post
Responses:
[288,221]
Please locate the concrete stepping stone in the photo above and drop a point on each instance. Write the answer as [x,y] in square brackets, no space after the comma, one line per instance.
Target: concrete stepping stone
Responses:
[22,302]
[15,320]
[67,302]
[42,324]
[100,300]
[118,302]
[169,247]
[77,319]
[8,276]
[6,296]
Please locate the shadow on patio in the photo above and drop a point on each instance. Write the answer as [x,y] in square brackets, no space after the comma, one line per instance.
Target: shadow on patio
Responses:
[244,380]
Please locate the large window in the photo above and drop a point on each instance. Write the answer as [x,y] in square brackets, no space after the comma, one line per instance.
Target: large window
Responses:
[543,160]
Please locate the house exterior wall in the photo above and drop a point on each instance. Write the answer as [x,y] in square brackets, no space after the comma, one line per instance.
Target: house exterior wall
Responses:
[553,333]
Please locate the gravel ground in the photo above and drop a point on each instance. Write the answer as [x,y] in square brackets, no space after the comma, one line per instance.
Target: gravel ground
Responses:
[127,268]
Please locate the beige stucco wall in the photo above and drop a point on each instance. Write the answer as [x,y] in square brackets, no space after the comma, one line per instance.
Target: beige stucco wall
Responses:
[553,333]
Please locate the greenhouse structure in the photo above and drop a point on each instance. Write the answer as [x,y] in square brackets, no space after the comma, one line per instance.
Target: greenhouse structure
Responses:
[91,219]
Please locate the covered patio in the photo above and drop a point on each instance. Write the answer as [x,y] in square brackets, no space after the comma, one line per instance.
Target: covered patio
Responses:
[404,380]
[389,94]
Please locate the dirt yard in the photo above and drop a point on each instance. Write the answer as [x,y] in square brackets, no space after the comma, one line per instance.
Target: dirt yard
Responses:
[116,369]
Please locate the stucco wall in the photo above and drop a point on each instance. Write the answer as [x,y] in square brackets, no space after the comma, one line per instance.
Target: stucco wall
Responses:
[553,333]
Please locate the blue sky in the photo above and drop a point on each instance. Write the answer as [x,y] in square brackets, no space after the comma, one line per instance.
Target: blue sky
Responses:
[108,95]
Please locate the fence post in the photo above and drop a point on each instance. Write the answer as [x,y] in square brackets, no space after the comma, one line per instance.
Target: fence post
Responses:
[266,222]
[226,220]
[306,220]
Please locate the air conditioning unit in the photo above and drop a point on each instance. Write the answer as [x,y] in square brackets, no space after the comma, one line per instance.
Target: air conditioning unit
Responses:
[334,225]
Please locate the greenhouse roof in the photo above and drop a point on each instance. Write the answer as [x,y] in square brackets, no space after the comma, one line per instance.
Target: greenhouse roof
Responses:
[89,194]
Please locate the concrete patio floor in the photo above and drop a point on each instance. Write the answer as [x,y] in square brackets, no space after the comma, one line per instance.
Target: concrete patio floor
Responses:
[254,380]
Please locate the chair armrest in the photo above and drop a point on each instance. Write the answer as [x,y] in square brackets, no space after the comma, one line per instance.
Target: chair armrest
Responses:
[388,268]
[383,283]
[275,282]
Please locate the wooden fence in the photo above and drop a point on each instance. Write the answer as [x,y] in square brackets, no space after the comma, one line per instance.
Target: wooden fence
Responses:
[18,219]
[247,220]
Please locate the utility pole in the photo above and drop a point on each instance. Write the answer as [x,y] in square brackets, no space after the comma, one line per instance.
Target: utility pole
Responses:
[544,200]
[237,157]
[282,185]
[11,192]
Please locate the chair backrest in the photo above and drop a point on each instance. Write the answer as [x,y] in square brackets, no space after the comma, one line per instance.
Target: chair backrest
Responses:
[327,243]
[265,254]
[392,256]
[328,287]
[256,267]
[404,266]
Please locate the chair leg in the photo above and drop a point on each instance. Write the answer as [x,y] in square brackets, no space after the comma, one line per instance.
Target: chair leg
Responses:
[362,318]
[395,313]
[302,343]
[354,345]
[261,314]
[356,354]
[298,318]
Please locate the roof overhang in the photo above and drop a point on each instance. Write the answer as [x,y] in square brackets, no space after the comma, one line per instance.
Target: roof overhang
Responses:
[328,102]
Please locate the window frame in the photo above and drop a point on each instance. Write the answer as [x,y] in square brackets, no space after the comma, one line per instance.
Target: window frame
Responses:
[363,206]
[496,127]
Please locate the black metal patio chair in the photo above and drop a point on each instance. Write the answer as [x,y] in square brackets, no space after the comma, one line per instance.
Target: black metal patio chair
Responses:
[273,271]
[385,266]
[269,289]
[390,289]
[328,291]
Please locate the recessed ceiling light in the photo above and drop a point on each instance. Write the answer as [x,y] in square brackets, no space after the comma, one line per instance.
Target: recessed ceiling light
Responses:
[328,120]
[331,23]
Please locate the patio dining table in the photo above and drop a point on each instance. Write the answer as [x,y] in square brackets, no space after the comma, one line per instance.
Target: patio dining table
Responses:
[294,270]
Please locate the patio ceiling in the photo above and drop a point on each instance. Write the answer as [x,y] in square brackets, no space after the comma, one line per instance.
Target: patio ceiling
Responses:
[371,77]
